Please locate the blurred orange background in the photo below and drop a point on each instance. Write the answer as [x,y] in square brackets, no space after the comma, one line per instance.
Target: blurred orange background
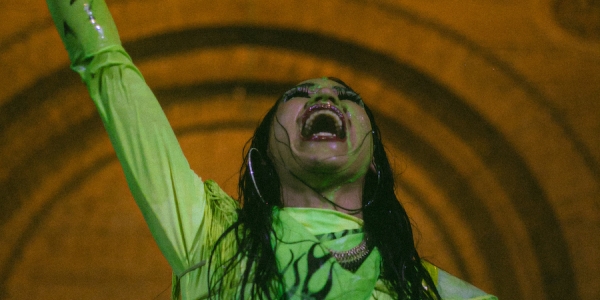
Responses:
[489,110]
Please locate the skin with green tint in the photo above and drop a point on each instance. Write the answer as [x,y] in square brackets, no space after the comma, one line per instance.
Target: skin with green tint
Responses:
[312,169]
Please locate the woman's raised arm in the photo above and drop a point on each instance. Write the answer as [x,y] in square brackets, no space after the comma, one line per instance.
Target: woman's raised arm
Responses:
[170,195]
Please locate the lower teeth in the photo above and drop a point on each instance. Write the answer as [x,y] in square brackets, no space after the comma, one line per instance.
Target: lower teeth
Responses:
[324,134]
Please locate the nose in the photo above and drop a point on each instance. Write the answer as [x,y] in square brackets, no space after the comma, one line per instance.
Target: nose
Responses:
[323,95]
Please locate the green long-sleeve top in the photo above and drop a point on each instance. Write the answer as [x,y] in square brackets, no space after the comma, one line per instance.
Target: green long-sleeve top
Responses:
[186,215]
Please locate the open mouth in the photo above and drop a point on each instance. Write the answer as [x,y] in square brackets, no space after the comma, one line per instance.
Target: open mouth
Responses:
[323,122]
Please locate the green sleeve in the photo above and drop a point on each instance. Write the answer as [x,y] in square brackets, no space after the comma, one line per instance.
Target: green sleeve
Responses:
[169,194]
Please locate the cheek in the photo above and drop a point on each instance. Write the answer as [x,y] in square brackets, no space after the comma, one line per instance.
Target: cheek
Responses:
[292,107]
[365,123]
[359,119]
[282,130]
[288,116]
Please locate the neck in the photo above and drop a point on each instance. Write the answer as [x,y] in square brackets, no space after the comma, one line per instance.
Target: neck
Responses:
[345,197]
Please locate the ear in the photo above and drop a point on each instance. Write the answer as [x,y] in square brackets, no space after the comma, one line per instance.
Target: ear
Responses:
[373,167]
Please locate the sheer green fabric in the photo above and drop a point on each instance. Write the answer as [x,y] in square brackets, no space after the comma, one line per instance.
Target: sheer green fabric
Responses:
[302,249]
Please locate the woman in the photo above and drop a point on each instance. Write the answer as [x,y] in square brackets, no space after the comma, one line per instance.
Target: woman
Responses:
[317,216]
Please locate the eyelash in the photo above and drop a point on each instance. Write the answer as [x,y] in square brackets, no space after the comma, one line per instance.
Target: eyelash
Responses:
[303,92]
[299,91]
[346,94]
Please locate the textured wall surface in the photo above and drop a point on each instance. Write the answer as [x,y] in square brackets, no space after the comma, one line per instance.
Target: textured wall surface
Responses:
[489,109]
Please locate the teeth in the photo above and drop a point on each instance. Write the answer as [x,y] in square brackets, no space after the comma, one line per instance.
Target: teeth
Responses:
[338,121]
[328,134]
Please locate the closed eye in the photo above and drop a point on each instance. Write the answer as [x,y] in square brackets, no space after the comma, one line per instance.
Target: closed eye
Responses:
[348,94]
[300,91]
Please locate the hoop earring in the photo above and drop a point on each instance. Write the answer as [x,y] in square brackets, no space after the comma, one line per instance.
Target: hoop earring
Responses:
[376,187]
[252,175]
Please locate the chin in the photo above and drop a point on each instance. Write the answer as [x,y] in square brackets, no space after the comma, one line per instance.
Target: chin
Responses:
[327,165]
[321,155]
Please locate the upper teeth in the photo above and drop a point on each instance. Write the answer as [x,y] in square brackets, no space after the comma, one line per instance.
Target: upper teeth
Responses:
[311,119]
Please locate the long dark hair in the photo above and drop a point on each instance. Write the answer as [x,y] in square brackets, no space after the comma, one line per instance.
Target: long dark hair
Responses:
[385,223]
